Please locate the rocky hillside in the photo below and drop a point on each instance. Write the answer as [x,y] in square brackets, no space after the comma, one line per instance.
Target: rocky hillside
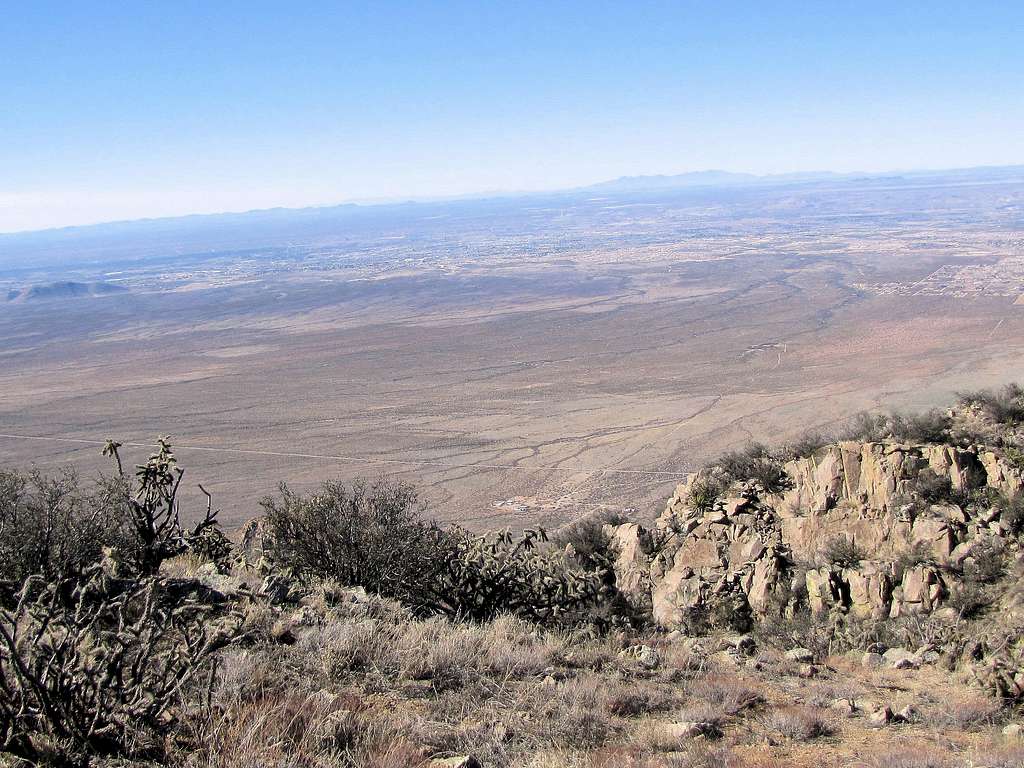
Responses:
[780,550]
[851,601]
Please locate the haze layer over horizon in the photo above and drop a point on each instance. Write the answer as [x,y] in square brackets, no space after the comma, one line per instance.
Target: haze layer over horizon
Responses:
[116,114]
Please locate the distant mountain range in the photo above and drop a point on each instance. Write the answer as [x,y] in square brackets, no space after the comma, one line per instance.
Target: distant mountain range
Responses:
[715,178]
[707,179]
[169,238]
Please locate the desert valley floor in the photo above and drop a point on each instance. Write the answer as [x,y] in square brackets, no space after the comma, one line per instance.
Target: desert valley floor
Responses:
[528,365]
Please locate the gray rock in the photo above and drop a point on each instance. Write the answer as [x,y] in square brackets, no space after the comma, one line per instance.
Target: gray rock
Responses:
[800,655]
[689,730]
[871,660]
[900,658]
[844,707]
[1014,732]
[905,715]
[880,717]
[648,657]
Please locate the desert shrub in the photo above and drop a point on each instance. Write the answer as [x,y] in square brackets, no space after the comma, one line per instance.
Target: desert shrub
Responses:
[968,599]
[927,427]
[374,536]
[212,546]
[368,535]
[842,552]
[807,444]
[587,538]
[933,488]
[1011,512]
[636,700]
[731,611]
[1004,405]
[971,712]
[756,462]
[918,554]
[704,492]
[52,526]
[1015,456]
[727,694]
[97,666]
[987,563]
[866,427]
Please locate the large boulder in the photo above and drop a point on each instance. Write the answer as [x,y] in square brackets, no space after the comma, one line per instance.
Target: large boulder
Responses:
[870,590]
[631,546]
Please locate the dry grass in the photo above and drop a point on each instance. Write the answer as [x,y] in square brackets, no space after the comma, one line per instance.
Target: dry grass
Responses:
[370,686]
[730,694]
[970,712]
[799,723]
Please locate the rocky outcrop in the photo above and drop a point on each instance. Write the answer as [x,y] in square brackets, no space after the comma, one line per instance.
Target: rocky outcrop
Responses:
[770,548]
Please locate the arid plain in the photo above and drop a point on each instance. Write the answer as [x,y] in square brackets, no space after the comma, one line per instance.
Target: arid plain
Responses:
[521,362]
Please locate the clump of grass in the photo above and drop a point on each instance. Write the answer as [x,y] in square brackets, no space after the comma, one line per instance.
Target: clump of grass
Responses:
[704,493]
[970,712]
[729,694]
[798,723]
[758,463]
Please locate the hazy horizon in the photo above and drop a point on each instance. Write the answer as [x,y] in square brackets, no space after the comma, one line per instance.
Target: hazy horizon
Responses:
[121,114]
[499,193]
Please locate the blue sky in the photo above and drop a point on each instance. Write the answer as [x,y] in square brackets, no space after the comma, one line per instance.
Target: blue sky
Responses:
[119,110]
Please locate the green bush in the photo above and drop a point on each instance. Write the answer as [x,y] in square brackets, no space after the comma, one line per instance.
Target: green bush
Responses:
[933,488]
[704,492]
[866,427]
[375,536]
[986,564]
[481,577]
[1011,512]
[927,427]
[368,535]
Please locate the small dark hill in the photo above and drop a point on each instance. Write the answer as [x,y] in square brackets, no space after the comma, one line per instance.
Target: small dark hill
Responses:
[65,289]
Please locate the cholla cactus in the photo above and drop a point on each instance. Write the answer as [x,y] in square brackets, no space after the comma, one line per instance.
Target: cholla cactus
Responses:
[96,667]
[480,577]
[151,502]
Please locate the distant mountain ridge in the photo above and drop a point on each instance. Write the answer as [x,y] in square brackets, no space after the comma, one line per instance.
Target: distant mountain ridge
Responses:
[719,178]
[164,238]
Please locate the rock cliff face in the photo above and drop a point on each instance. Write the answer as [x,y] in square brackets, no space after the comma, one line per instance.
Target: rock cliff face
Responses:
[773,553]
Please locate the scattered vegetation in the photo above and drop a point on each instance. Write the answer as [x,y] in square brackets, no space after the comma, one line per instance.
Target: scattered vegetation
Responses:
[398,640]
[1004,405]
[756,462]
[704,493]
[843,552]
